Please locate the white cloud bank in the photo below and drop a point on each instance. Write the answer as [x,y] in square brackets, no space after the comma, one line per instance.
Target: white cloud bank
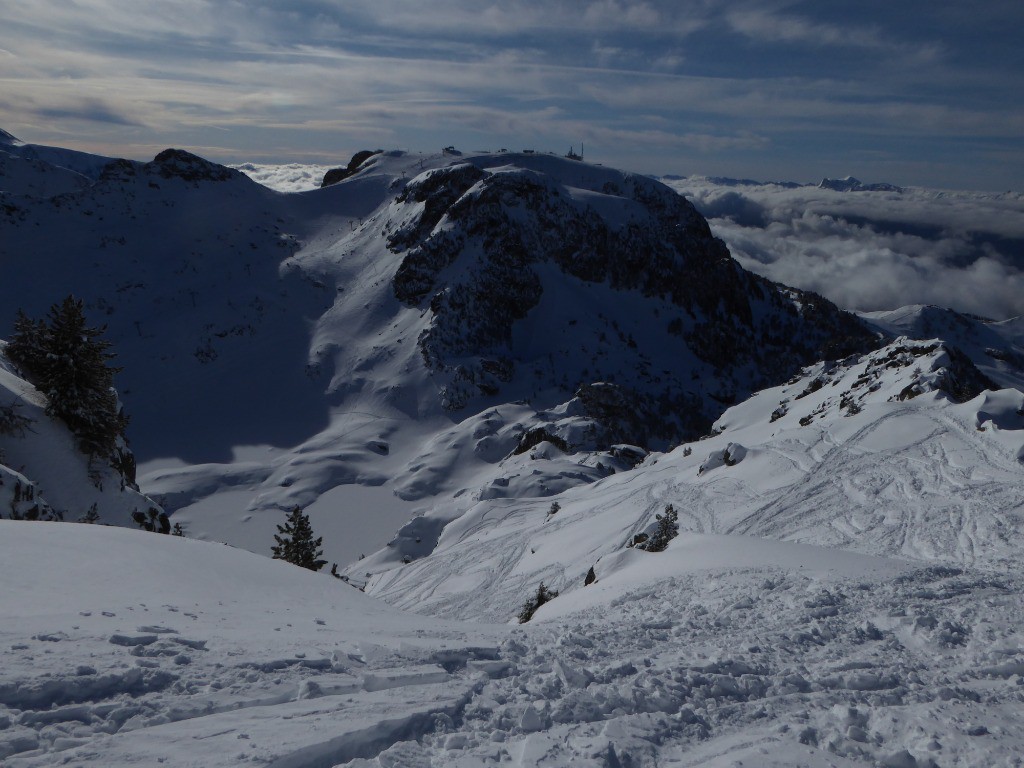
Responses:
[875,250]
[293,177]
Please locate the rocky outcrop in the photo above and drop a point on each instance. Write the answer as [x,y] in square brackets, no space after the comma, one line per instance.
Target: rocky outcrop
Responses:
[478,241]
[177,163]
[334,175]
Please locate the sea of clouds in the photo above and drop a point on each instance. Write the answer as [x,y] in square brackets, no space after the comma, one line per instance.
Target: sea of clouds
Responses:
[293,177]
[874,250]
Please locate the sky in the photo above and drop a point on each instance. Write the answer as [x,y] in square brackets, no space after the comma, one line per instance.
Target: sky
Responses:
[910,92]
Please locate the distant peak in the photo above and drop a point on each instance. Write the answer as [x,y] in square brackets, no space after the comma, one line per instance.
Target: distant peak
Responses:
[851,184]
[6,138]
[178,163]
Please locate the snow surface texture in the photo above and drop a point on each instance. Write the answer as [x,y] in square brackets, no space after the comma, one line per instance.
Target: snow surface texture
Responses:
[868,455]
[130,649]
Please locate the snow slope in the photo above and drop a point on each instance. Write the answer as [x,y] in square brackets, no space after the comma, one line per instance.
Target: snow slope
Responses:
[869,454]
[995,347]
[128,649]
[44,159]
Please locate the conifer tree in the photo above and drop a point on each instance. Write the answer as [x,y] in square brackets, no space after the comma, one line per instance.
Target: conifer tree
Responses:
[668,529]
[295,542]
[544,595]
[91,516]
[26,347]
[69,363]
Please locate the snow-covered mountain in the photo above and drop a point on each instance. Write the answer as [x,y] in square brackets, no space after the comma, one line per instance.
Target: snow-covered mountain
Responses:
[517,362]
[876,453]
[279,348]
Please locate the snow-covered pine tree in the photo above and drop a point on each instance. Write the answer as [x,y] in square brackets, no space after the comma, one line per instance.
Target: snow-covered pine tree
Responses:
[544,595]
[68,362]
[153,520]
[668,529]
[91,516]
[295,542]
[26,347]
[80,383]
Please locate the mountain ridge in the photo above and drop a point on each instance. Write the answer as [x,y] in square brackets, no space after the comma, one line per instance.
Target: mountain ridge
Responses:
[423,301]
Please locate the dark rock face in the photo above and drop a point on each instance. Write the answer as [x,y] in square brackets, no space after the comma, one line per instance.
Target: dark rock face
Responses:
[493,233]
[177,163]
[335,175]
[626,415]
[119,171]
[961,379]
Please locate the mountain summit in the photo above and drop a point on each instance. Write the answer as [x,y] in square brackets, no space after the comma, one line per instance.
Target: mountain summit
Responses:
[577,275]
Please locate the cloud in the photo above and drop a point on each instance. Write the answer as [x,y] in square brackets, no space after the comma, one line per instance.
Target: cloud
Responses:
[88,109]
[295,76]
[869,251]
[768,26]
[291,177]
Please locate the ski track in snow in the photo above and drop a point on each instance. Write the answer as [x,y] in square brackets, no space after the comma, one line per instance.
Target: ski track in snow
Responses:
[729,666]
[933,523]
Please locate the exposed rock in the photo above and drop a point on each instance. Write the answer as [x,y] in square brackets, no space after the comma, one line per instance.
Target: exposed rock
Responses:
[334,175]
[505,225]
[177,163]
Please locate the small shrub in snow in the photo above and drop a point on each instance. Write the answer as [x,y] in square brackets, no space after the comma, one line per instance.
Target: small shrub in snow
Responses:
[295,542]
[24,505]
[11,422]
[91,516]
[668,529]
[544,595]
[153,520]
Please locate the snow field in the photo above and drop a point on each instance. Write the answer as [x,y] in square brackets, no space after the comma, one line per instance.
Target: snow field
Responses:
[166,650]
[122,648]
